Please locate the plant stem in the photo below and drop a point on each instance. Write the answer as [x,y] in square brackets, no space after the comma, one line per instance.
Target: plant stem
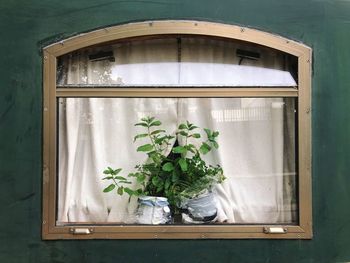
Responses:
[152,141]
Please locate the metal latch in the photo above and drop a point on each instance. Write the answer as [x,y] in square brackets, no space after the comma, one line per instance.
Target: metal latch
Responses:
[81,231]
[275,230]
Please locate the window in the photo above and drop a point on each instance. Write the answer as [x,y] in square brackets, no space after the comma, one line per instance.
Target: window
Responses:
[248,94]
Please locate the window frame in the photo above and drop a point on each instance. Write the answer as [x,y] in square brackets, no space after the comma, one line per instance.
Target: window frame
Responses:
[303,230]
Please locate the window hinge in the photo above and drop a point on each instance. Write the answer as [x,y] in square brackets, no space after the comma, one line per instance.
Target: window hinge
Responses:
[81,231]
[275,230]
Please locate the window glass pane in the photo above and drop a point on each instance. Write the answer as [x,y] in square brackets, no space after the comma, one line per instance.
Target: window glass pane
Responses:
[177,62]
[256,153]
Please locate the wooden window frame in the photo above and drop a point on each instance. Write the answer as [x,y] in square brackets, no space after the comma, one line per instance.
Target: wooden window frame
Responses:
[303,230]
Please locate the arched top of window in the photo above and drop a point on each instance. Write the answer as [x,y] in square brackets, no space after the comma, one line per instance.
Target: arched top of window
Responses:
[178,53]
[177,61]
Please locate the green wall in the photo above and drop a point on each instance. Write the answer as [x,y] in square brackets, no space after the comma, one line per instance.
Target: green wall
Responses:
[27,26]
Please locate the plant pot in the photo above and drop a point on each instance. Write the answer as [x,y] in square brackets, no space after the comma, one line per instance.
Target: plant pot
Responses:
[153,210]
[201,209]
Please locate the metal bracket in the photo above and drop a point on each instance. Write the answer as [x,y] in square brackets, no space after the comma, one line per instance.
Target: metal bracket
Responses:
[81,231]
[275,230]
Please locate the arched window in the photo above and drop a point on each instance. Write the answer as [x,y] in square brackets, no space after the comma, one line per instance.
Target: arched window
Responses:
[177,129]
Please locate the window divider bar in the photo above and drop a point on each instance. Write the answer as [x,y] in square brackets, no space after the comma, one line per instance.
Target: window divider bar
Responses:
[188,92]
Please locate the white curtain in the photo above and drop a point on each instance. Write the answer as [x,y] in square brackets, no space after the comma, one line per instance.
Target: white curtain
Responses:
[98,132]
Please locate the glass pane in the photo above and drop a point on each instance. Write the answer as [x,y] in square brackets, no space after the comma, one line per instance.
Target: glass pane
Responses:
[172,166]
[177,62]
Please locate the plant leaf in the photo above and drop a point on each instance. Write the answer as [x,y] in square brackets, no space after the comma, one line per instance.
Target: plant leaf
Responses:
[183,133]
[179,149]
[141,178]
[156,181]
[157,131]
[145,148]
[167,183]
[208,132]
[183,164]
[155,123]
[215,134]
[182,126]
[193,127]
[205,148]
[107,178]
[120,190]
[168,167]
[141,124]
[129,191]
[215,144]
[107,171]
[117,171]
[174,177]
[160,140]
[140,136]
[120,178]
[196,135]
[191,148]
[109,188]
[125,182]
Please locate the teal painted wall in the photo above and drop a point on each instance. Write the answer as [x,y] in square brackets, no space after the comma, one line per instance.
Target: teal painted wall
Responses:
[26,26]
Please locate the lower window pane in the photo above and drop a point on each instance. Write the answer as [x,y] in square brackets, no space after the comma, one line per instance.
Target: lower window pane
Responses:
[186,161]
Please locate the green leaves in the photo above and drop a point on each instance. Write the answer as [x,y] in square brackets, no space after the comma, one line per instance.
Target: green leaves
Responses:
[183,133]
[157,131]
[157,181]
[142,124]
[120,190]
[179,149]
[120,178]
[183,164]
[182,126]
[205,148]
[215,144]
[168,167]
[208,132]
[147,119]
[212,137]
[110,171]
[109,188]
[167,183]
[117,180]
[155,123]
[145,148]
[129,191]
[140,136]
[148,122]
[160,140]
[174,177]
[164,174]
[107,178]
[141,178]
[196,135]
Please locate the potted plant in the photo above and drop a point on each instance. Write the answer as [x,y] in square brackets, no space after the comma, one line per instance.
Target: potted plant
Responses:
[153,176]
[181,179]
[196,179]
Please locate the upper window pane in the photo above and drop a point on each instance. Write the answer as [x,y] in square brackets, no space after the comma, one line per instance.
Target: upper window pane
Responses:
[180,61]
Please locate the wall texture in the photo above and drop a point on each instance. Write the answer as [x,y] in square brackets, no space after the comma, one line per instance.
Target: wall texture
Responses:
[27,26]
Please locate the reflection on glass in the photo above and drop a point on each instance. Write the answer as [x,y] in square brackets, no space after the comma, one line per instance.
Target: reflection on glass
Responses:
[256,153]
[176,62]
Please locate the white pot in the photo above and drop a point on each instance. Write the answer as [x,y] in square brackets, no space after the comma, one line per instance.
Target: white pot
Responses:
[201,209]
[153,210]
